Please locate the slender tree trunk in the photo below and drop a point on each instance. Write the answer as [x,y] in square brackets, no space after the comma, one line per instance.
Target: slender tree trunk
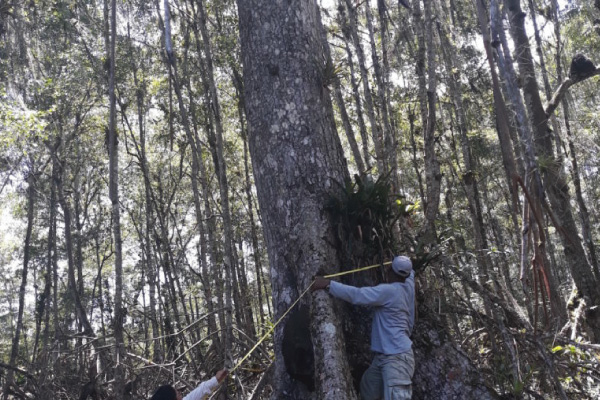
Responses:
[150,267]
[217,276]
[339,99]
[471,169]
[364,76]
[172,62]
[247,309]
[77,219]
[586,227]
[14,351]
[347,34]
[48,286]
[433,177]
[81,313]
[169,264]
[392,137]
[532,177]
[55,179]
[170,303]
[341,105]
[382,86]
[555,185]
[220,167]
[78,248]
[502,125]
[206,231]
[119,372]
[248,191]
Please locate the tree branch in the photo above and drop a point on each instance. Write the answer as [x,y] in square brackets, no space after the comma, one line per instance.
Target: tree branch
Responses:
[562,90]
[20,371]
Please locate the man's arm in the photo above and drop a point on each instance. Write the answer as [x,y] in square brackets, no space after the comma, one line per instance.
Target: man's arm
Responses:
[206,388]
[372,296]
[366,296]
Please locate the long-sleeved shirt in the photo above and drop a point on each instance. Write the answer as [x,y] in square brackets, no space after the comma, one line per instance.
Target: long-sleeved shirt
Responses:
[394,314]
[203,390]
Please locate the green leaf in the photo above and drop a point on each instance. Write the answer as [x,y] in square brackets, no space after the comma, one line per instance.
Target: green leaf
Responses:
[557,348]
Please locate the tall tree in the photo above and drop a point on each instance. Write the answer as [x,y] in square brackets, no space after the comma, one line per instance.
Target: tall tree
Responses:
[292,137]
[217,140]
[113,185]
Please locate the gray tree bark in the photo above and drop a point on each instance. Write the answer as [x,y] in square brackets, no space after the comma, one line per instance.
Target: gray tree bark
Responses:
[297,161]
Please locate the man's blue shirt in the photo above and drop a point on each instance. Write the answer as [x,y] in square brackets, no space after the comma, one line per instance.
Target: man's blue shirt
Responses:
[394,314]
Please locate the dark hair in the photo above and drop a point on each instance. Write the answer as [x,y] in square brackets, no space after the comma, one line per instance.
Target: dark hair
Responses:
[165,392]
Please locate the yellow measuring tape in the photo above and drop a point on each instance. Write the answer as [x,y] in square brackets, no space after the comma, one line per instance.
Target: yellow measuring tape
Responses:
[356,270]
[262,339]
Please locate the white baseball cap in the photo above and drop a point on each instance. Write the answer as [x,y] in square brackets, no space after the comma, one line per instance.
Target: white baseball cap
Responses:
[402,265]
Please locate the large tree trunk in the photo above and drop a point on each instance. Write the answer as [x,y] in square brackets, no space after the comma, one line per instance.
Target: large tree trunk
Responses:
[297,160]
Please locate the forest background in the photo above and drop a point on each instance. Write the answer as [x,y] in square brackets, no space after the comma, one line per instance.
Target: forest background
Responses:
[173,175]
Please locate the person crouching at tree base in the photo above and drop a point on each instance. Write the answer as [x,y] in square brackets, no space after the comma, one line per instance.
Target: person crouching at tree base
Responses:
[168,392]
[390,374]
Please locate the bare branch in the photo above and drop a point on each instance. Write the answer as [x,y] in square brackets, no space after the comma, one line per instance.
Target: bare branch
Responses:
[562,90]
[19,370]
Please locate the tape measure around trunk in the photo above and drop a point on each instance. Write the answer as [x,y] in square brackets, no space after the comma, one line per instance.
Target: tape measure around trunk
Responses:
[272,328]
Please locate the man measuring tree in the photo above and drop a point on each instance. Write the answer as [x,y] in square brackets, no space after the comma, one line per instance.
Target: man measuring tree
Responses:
[390,373]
